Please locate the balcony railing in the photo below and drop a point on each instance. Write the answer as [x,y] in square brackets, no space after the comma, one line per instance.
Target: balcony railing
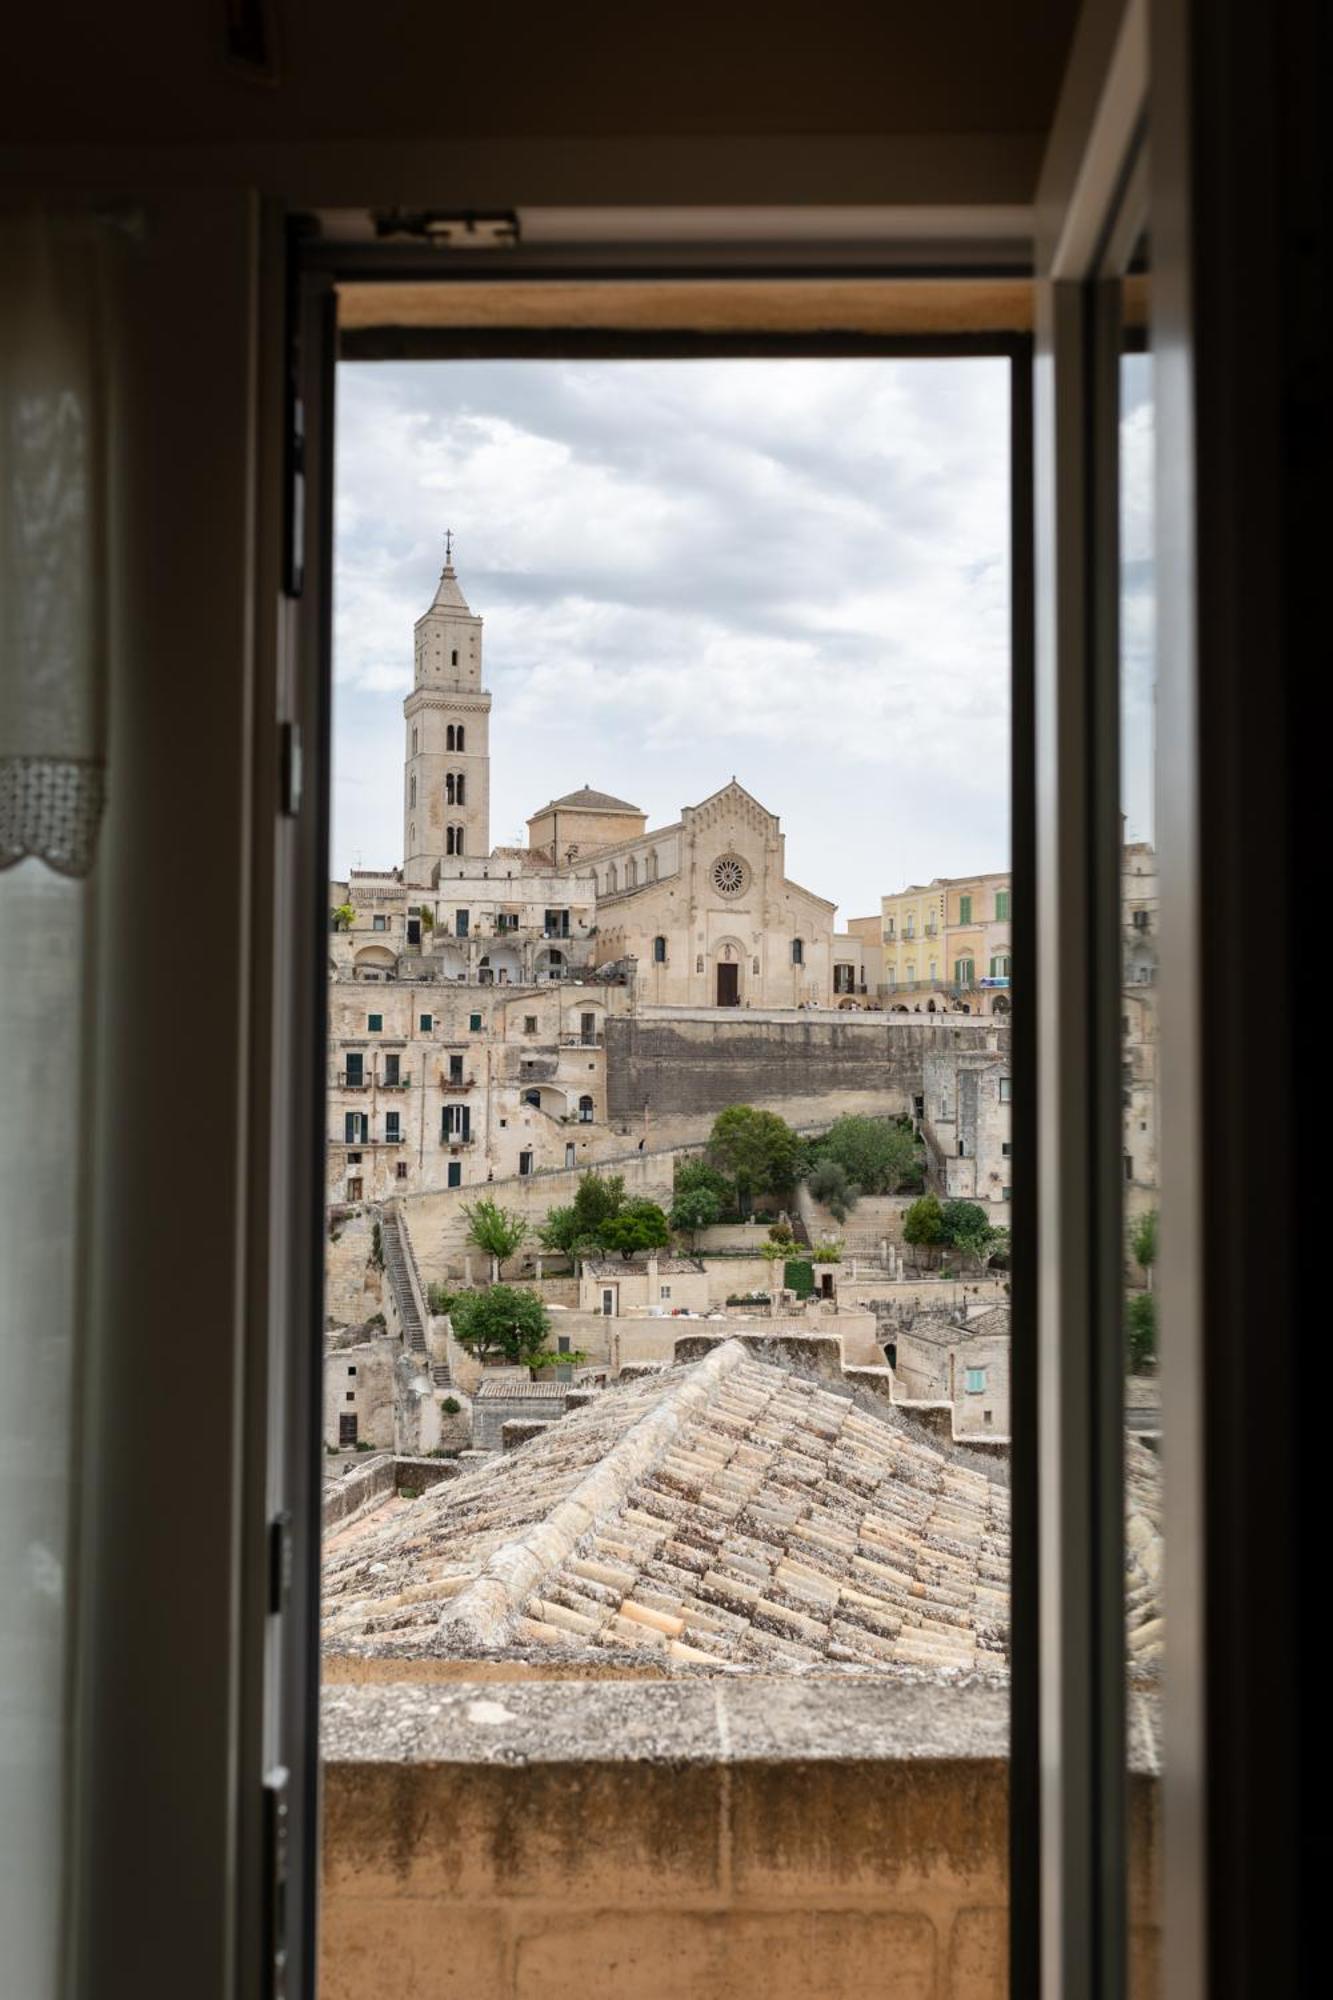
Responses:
[395,1082]
[346,1081]
[455,1141]
[580,1041]
[457,1082]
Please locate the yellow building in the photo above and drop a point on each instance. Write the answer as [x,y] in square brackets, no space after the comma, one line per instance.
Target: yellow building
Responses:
[947,945]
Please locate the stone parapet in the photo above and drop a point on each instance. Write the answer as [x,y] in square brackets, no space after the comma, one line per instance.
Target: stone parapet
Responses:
[653,1841]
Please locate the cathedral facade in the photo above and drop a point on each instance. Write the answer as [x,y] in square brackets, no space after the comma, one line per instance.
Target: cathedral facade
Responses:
[699,913]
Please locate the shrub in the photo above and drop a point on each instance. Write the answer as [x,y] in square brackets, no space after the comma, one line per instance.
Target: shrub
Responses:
[749,1298]
[377,1247]
[1141,1329]
[829,1184]
[362,1445]
[451,1406]
[829,1252]
[799,1277]
[376,1319]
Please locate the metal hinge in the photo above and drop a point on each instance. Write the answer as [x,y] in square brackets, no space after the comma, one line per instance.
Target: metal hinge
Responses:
[291,769]
[279,1560]
[452,229]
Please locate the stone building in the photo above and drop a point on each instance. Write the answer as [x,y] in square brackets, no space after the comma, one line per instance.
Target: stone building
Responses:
[963,1362]
[614,1286]
[1138,1006]
[966,1124]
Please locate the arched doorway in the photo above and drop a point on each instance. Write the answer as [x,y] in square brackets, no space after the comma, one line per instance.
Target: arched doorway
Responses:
[727,967]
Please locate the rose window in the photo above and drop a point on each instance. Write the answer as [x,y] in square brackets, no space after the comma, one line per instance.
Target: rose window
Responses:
[729,875]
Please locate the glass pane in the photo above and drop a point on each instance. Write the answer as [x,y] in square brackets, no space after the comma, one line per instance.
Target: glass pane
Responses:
[1139,1115]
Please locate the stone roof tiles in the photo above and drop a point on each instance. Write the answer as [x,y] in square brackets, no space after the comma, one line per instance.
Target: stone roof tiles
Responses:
[728,1515]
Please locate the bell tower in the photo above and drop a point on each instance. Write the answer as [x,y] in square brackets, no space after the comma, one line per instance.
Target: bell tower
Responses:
[447,766]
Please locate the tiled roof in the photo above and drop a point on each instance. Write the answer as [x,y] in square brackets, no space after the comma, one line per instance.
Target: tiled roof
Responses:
[725,1515]
[620,1267]
[992,1323]
[588,800]
[508,1387]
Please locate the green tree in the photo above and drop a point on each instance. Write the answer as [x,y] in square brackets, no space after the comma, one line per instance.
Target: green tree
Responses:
[998,1256]
[1141,1329]
[639,1225]
[828,1252]
[559,1231]
[494,1230]
[598,1199]
[693,1209]
[878,1154]
[757,1148]
[1143,1243]
[965,1226]
[343,917]
[829,1183]
[697,1174]
[923,1224]
[502,1321]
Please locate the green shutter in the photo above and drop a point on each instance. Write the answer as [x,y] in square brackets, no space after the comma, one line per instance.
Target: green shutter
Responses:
[964,909]
[474,1023]
[1001,906]
[374,1023]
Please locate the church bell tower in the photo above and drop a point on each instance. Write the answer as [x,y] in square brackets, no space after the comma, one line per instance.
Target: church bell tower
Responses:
[447,769]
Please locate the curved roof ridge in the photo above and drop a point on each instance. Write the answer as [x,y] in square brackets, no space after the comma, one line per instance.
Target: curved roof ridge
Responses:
[484,1613]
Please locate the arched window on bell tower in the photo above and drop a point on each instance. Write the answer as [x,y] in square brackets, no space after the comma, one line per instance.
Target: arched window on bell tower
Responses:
[458,738]
[460,786]
[449,798]
[449,737]
[453,840]
[412,789]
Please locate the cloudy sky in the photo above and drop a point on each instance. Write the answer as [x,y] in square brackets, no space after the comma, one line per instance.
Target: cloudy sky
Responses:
[790,571]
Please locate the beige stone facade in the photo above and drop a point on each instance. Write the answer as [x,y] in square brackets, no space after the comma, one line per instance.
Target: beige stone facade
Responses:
[966,1125]
[707,913]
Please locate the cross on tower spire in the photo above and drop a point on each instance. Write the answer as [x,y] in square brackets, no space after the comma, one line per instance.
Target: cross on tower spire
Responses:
[448,548]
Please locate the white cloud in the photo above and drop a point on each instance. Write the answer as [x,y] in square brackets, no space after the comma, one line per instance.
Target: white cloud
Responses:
[796,571]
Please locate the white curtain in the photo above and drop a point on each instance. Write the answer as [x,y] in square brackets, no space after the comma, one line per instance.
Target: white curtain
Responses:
[55,428]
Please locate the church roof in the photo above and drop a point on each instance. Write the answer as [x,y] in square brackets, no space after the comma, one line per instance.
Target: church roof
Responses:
[587,800]
[448,592]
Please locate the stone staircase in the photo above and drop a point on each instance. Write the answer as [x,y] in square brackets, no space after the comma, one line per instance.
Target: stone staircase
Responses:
[400,1263]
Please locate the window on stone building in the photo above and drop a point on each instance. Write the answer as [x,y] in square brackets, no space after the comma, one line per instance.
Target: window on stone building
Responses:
[1006,1089]
[1001,906]
[797,951]
[393,1064]
[525,1163]
[529,1024]
[964,909]
[425,1024]
[401,1170]
[346,1427]
[354,1190]
[964,972]
[631,873]
[585,1110]
[374,1023]
[659,951]
[975,1381]
[392,1127]
[379,923]
[474,1023]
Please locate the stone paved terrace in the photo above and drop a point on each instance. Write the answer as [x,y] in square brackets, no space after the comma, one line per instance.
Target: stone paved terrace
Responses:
[725,1516]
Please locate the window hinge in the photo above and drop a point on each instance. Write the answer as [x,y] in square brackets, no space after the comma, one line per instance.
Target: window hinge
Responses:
[279,1560]
[291,769]
[452,229]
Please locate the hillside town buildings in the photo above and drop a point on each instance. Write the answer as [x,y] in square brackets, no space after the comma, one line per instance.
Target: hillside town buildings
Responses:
[471,987]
